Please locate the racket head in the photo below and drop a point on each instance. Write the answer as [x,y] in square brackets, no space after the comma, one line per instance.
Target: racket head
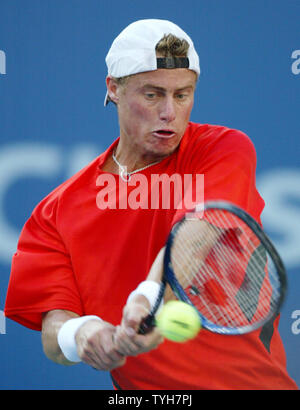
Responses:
[226,267]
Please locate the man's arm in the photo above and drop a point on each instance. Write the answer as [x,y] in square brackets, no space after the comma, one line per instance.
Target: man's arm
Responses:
[94,340]
[127,339]
[52,322]
[99,343]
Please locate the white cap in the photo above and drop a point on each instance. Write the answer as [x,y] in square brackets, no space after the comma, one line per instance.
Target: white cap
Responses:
[133,50]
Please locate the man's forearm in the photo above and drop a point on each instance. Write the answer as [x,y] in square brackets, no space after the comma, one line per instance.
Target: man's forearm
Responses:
[52,322]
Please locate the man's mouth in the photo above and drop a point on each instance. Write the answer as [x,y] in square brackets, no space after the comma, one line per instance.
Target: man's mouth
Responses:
[164,133]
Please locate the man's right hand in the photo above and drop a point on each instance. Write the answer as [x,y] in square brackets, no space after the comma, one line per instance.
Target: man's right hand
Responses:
[96,347]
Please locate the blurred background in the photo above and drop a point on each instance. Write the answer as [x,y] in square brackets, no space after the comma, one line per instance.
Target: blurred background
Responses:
[52,123]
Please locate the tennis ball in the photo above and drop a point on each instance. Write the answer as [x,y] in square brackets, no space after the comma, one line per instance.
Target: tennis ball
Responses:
[178,321]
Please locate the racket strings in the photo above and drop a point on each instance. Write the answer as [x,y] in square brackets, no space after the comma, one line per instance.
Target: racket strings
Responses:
[187,268]
[218,261]
[262,263]
[212,295]
[213,290]
[248,292]
[254,294]
[258,263]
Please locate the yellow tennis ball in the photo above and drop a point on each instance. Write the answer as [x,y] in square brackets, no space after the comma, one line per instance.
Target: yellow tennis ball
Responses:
[178,321]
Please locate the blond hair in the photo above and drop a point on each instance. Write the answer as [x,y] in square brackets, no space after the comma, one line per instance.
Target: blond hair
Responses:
[172,46]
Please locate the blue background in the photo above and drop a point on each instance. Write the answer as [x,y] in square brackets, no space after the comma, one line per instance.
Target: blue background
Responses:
[52,122]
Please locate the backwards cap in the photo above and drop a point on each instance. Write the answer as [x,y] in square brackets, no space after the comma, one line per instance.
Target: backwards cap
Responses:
[133,50]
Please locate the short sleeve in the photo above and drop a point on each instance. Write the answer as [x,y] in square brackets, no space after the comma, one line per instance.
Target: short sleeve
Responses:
[230,173]
[227,161]
[41,277]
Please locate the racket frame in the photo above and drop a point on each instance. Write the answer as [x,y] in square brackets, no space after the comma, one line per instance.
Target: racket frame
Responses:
[170,278]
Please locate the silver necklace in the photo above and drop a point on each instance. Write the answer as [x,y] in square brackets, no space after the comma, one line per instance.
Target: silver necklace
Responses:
[126,176]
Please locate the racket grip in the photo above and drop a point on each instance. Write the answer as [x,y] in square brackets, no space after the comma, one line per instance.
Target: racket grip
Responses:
[147,324]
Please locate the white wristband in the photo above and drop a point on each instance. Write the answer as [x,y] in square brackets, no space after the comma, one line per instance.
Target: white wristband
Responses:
[149,289]
[66,336]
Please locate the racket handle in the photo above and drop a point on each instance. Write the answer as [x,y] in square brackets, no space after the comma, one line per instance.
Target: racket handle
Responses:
[146,325]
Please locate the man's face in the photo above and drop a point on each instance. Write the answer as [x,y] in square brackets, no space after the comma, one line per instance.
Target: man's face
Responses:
[154,109]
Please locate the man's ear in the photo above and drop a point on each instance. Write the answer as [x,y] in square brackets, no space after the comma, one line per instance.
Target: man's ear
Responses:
[112,89]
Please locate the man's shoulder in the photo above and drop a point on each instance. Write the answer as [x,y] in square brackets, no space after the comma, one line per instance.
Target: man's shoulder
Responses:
[204,138]
[210,132]
[74,185]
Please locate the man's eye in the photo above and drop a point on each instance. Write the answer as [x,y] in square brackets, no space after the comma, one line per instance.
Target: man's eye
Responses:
[151,96]
[181,96]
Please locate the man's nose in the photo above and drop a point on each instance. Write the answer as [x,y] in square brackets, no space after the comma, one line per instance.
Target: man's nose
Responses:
[167,109]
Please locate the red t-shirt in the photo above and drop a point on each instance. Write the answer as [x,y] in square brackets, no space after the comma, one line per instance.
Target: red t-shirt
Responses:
[75,256]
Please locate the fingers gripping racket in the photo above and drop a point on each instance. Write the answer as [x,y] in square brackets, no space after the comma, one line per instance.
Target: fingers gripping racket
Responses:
[220,261]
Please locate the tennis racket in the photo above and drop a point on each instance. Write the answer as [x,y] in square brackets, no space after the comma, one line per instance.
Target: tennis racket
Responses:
[219,260]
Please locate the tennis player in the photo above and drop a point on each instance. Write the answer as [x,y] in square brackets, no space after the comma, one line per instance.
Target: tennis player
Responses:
[83,251]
